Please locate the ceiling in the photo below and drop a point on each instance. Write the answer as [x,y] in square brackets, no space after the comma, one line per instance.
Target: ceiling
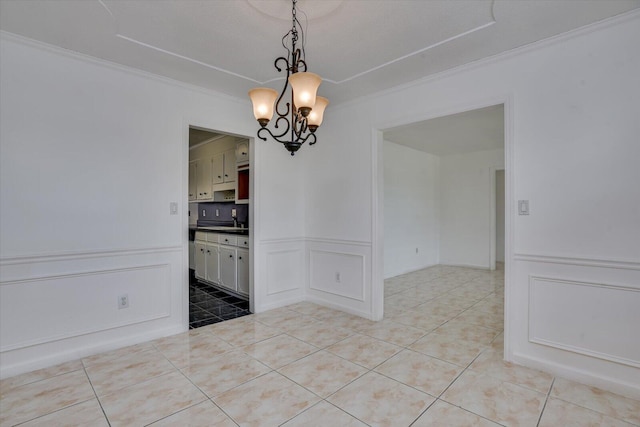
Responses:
[470,131]
[357,46]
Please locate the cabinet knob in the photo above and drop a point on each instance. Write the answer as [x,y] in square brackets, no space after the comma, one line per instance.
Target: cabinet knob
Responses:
[226,174]
[239,257]
[219,176]
[230,256]
[201,250]
[208,251]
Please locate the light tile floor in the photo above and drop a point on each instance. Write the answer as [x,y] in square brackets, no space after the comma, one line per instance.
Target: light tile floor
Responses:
[435,360]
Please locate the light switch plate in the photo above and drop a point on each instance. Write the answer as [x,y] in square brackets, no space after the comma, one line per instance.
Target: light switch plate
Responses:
[523,207]
[173,208]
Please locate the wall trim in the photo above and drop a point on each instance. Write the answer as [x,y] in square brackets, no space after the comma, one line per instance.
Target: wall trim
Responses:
[75,353]
[629,389]
[339,241]
[498,57]
[282,240]
[477,267]
[572,348]
[37,44]
[24,344]
[73,255]
[579,261]
[413,270]
[361,297]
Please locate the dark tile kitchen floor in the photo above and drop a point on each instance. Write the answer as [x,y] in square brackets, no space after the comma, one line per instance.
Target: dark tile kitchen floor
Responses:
[209,305]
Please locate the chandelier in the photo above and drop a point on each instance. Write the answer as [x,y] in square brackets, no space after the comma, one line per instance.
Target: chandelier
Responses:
[298,118]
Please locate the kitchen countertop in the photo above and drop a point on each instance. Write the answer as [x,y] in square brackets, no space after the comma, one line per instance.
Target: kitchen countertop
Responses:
[225,230]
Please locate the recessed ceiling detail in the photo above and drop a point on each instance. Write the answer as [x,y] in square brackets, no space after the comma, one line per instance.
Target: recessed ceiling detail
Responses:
[359,47]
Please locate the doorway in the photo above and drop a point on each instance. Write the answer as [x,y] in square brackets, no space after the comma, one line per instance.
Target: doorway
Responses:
[459,225]
[219,218]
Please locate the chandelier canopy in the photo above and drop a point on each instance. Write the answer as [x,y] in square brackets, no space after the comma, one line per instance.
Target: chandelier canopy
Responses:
[300,114]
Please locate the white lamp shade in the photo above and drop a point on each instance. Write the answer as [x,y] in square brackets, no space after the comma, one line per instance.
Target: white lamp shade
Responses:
[263,100]
[304,86]
[315,116]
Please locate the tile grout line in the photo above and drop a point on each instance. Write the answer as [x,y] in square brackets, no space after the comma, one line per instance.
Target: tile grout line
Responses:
[84,368]
[545,402]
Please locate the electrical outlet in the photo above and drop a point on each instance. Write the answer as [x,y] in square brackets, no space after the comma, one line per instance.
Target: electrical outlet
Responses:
[204,213]
[234,213]
[217,212]
[337,277]
[416,250]
[123,301]
[173,208]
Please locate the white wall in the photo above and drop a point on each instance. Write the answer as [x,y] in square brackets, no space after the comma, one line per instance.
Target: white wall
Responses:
[91,155]
[466,211]
[572,150]
[411,209]
[500,224]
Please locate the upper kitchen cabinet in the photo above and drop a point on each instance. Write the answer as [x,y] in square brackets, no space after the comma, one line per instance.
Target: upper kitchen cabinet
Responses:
[242,152]
[193,191]
[203,179]
[224,167]
[229,169]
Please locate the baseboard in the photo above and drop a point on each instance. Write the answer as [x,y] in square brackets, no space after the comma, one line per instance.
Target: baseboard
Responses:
[477,267]
[413,270]
[614,385]
[49,359]
[324,303]
[280,304]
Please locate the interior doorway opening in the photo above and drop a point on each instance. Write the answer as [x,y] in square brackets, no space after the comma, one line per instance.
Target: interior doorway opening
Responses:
[220,215]
[444,217]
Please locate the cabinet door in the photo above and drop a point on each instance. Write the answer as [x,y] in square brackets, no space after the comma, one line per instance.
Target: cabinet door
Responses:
[242,152]
[193,176]
[217,168]
[243,271]
[203,179]
[213,263]
[201,260]
[228,267]
[230,165]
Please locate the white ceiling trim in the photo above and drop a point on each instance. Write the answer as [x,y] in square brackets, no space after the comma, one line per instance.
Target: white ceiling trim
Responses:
[336,82]
[417,52]
[83,57]
[186,58]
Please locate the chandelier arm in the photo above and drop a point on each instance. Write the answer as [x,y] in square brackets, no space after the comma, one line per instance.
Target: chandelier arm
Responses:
[284,88]
[286,128]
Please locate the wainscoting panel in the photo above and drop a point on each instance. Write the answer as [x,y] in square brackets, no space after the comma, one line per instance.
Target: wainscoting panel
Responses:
[339,275]
[78,304]
[281,277]
[576,318]
[60,307]
[587,318]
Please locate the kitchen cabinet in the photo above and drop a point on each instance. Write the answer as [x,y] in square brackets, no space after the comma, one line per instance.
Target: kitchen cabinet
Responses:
[242,153]
[203,179]
[192,180]
[243,271]
[228,278]
[206,257]
[200,260]
[223,260]
[223,167]
[212,262]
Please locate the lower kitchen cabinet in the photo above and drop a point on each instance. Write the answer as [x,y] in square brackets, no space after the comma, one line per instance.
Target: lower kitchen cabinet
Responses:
[212,263]
[243,271]
[223,264]
[200,260]
[228,268]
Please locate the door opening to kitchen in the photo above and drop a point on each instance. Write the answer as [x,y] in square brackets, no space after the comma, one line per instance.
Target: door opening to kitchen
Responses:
[219,225]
